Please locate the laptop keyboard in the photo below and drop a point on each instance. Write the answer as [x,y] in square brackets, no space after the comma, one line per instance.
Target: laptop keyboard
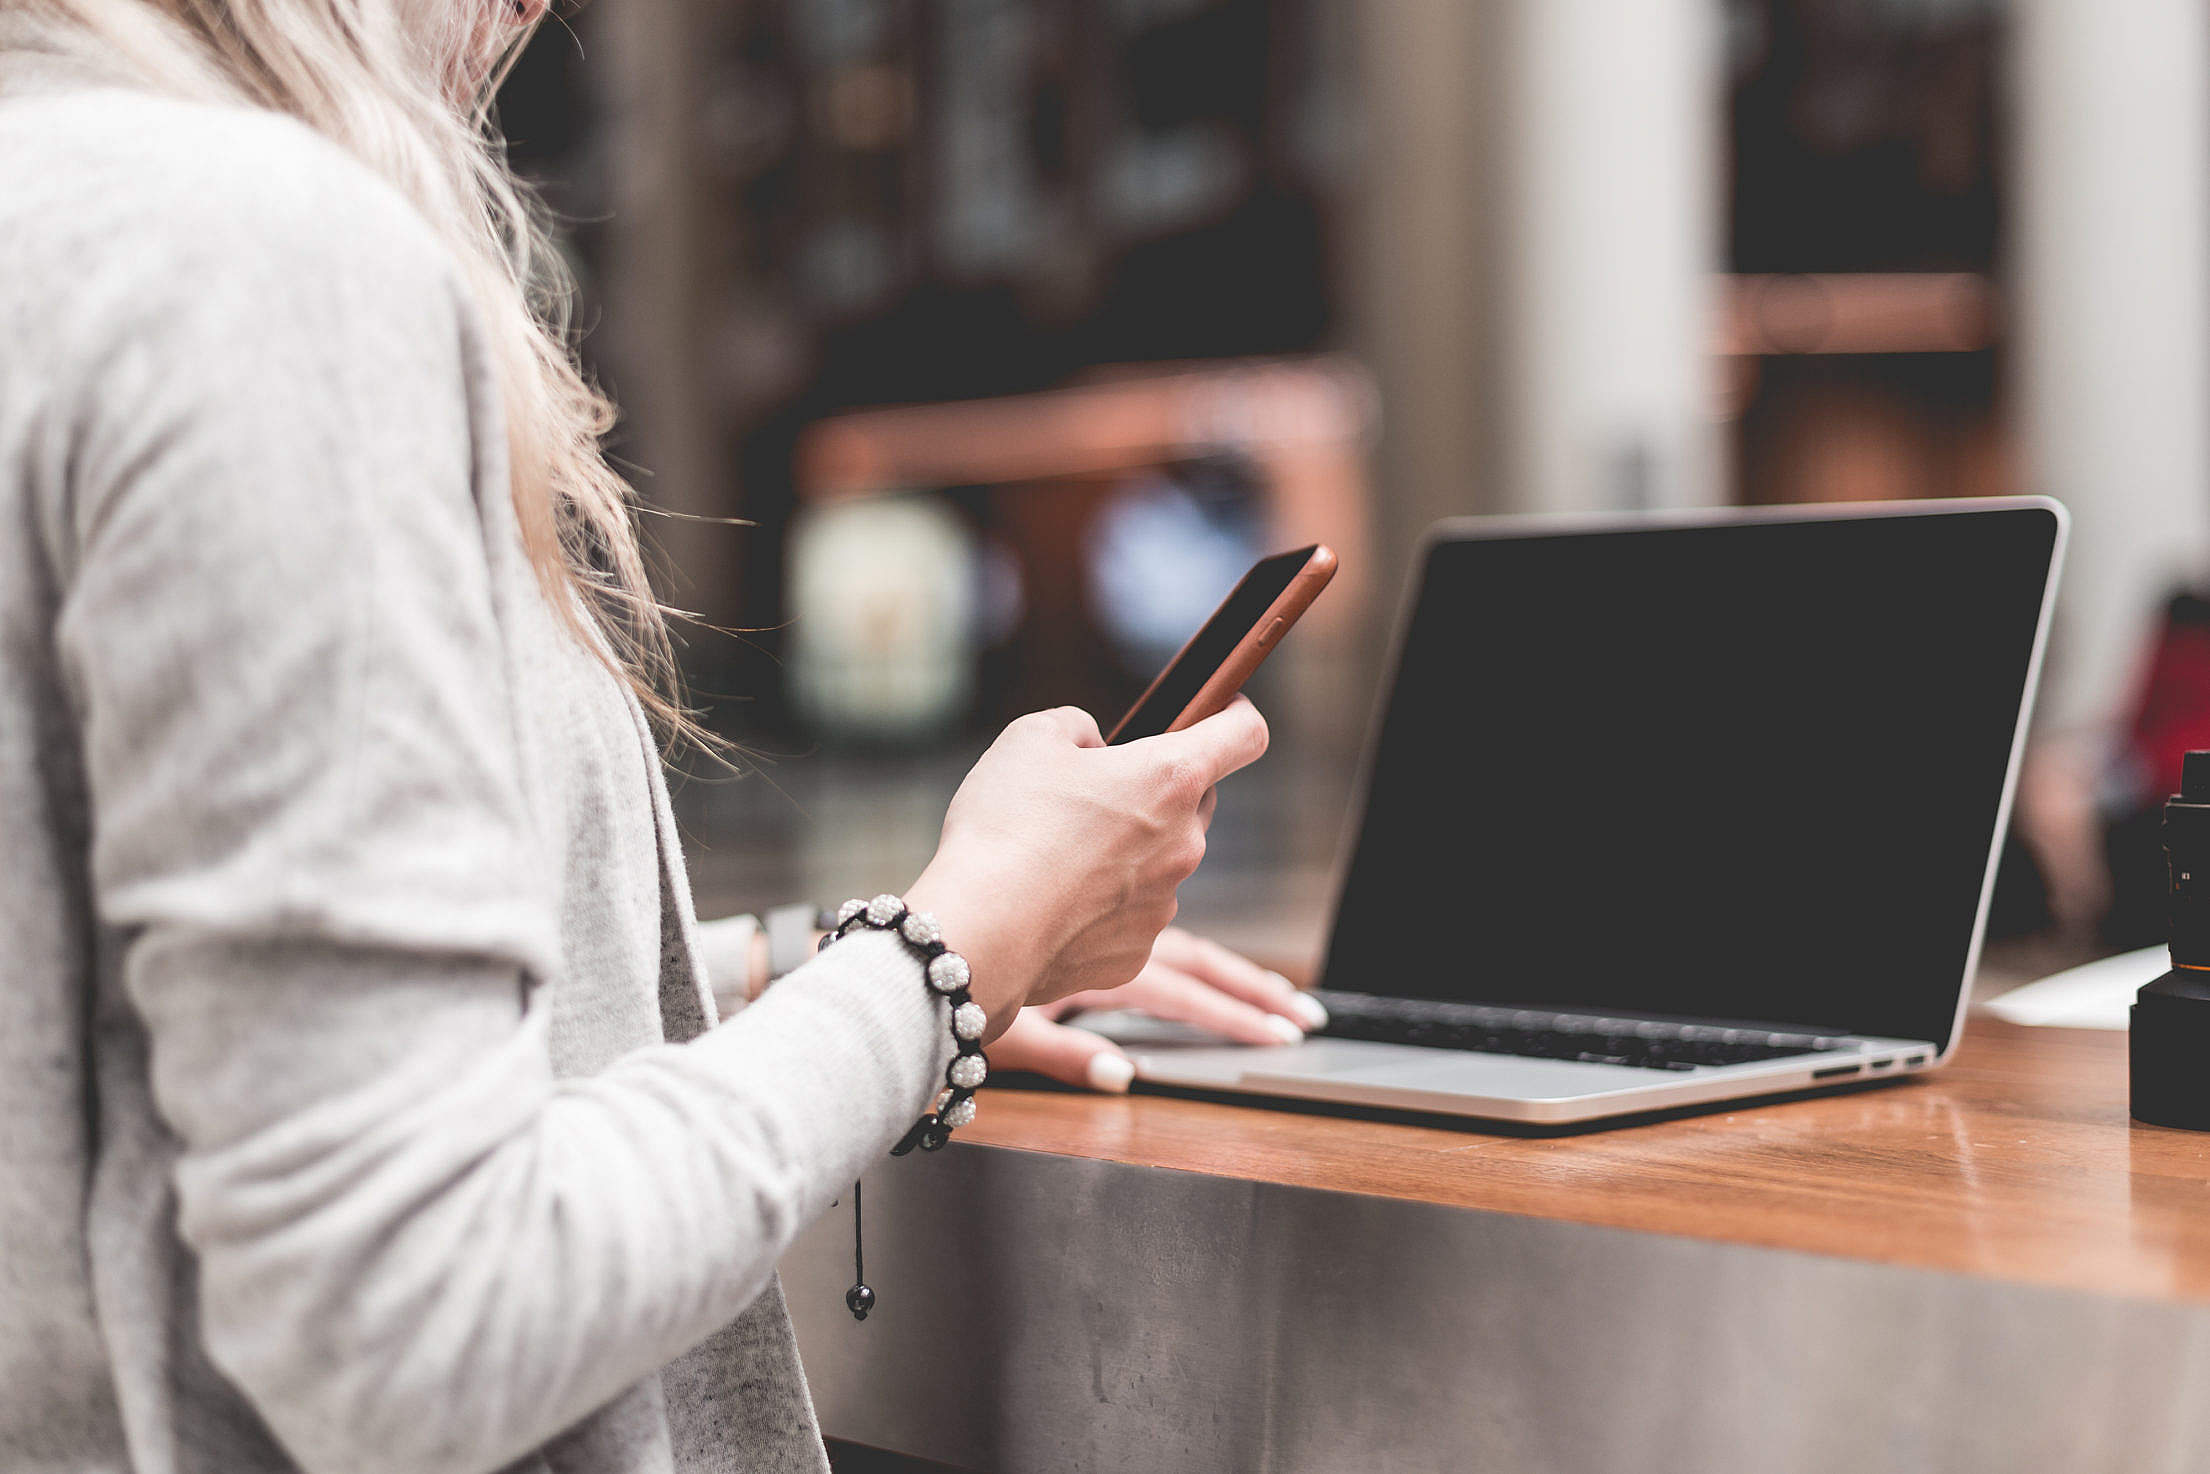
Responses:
[1642,1043]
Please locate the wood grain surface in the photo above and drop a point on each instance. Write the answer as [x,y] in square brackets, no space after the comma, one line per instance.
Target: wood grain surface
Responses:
[2017,1161]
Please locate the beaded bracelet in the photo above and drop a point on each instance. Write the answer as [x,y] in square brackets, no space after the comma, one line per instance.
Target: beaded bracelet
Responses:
[948,976]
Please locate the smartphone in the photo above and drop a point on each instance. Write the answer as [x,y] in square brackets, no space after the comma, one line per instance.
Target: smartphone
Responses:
[1220,657]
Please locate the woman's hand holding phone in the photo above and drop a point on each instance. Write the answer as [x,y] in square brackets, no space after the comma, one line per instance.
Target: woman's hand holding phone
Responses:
[1060,856]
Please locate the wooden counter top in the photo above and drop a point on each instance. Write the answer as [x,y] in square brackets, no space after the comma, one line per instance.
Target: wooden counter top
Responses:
[2016,1162]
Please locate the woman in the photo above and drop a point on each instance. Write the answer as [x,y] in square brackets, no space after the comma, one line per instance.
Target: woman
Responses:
[363,1104]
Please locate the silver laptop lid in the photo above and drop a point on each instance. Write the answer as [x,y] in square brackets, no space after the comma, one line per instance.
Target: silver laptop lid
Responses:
[1750,765]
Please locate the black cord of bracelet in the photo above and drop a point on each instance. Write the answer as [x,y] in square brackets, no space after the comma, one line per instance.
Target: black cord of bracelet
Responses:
[930,1132]
[859,1299]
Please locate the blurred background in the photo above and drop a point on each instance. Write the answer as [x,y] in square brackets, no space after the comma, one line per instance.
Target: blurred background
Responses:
[1014,329]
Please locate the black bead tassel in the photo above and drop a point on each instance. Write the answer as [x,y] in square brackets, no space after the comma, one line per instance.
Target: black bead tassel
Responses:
[859,1299]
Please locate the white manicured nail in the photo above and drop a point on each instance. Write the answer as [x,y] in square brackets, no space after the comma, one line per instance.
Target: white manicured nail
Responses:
[1110,1073]
[1283,1029]
[1310,1010]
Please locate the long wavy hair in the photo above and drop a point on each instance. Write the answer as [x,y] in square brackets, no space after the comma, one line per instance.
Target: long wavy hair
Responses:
[406,87]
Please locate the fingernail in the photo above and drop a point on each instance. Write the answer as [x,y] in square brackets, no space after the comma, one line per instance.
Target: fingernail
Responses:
[1277,977]
[1110,1073]
[1310,1010]
[1283,1029]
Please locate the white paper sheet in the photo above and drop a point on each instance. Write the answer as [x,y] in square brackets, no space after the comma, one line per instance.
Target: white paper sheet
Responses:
[2094,995]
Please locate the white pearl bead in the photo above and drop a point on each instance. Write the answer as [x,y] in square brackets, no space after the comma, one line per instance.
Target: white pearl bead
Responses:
[921,929]
[960,1114]
[849,910]
[969,1021]
[884,909]
[948,973]
[968,1071]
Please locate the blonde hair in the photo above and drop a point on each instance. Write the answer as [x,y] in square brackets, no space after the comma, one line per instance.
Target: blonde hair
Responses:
[406,87]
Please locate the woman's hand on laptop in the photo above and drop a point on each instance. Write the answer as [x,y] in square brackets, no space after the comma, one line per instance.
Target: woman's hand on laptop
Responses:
[1188,980]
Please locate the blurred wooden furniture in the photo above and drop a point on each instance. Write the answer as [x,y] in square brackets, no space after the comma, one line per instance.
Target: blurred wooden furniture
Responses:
[1053,460]
[1863,386]
[1305,424]
[1857,312]
[1986,1268]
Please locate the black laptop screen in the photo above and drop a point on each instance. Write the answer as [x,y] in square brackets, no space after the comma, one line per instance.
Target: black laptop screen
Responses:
[1749,771]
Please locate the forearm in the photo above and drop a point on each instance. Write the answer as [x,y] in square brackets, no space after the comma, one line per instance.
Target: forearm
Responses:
[430,1278]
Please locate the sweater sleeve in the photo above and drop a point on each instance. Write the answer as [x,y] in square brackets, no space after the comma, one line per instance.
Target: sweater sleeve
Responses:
[417,1249]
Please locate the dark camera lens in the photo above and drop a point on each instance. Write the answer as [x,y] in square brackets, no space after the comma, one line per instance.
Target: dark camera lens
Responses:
[2187,863]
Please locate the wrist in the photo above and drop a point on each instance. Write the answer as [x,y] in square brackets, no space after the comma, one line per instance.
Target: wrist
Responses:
[1000,946]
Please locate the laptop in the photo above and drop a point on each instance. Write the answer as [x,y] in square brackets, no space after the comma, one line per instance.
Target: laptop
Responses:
[1671,809]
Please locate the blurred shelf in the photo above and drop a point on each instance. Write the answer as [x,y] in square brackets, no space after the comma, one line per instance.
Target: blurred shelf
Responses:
[1767,315]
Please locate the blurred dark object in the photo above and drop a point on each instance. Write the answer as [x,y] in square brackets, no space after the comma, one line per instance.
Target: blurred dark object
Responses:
[1865,136]
[947,198]
[913,201]
[1864,214]
[2187,865]
[2170,717]
[2171,1016]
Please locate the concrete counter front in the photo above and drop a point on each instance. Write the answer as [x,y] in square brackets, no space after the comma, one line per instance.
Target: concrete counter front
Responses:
[1988,1268]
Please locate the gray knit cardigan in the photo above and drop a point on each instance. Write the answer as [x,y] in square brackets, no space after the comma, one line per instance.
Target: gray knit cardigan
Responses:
[362,1102]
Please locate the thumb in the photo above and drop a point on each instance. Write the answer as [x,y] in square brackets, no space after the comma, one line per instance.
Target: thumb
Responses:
[1069,1055]
[1223,742]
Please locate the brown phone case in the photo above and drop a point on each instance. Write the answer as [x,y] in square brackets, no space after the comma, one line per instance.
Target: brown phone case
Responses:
[1228,678]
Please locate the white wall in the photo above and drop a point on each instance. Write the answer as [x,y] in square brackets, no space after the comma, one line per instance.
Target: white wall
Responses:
[1610,222]
[2111,243]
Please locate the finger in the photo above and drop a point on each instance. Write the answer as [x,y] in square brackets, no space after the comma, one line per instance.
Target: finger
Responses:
[1240,977]
[1165,992]
[1068,1055]
[1065,1008]
[1078,725]
[1218,745]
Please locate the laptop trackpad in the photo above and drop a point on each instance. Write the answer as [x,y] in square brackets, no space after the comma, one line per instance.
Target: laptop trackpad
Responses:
[1178,1054]
[1443,1071]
